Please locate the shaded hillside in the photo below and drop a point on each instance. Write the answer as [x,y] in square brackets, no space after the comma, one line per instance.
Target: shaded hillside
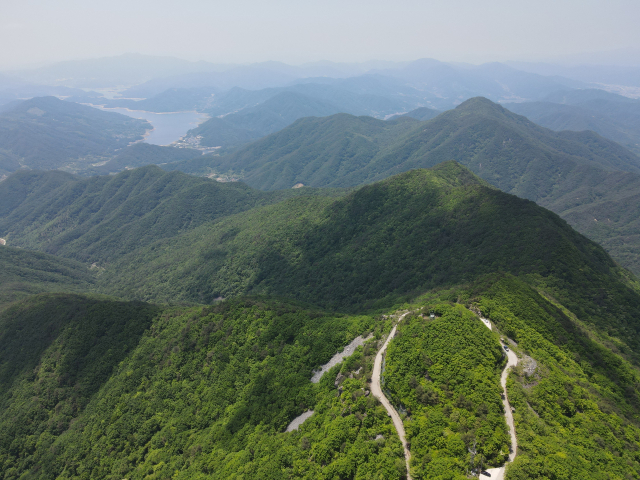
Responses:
[139,155]
[570,117]
[100,218]
[555,169]
[380,245]
[47,133]
[26,273]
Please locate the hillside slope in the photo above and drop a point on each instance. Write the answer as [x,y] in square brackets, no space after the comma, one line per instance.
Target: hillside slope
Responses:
[118,388]
[268,117]
[478,132]
[559,170]
[47,133]
[26,273]
[99,219]
[381,244]
[110,388]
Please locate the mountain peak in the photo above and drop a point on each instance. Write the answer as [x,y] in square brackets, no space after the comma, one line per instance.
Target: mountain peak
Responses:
[482,105]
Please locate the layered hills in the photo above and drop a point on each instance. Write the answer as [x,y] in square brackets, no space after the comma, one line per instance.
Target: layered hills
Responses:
[48,133]
[568,172]
[159,325]
[100,218]
[111,387]
[256,122]
[610,115]
[477,132]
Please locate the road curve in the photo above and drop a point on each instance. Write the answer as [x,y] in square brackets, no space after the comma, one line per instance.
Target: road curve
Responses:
[512,361]
[376,390]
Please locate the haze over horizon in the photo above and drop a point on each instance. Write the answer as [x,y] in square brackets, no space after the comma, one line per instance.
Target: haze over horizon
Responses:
[36,32]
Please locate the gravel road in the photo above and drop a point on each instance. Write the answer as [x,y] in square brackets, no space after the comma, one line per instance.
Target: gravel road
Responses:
[498,473]
[338,357]
[376,390]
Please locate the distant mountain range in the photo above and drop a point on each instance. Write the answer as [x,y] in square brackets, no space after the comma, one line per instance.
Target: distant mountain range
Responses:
[612,116]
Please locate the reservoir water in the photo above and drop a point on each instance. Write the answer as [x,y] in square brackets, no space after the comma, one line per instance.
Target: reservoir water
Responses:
[167,127]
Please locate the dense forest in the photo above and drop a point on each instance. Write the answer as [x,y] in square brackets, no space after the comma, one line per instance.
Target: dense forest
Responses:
[590,181]
[198,392]
[95,386]
[347,271]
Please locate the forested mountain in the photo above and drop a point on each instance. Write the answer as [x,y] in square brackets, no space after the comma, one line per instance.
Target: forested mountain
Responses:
[48,133]
[568,172]
[478,132]
[610,115]
[123,388]
[256,122]
[111,387]
[326,250]
[100,218]
[377,273]
[26,273]
[421,113]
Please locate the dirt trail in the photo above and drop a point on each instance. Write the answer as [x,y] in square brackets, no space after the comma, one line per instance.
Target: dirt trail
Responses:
[376,390]
[338,357]
[498,473]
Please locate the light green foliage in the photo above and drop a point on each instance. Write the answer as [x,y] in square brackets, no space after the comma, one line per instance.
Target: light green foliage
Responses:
[577,414]
[204,393]
[445,373]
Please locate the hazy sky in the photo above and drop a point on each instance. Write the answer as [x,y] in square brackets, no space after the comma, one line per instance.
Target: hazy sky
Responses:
[296,31]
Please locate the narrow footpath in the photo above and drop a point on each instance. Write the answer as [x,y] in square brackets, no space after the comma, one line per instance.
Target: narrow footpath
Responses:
[376,390]
[498,473]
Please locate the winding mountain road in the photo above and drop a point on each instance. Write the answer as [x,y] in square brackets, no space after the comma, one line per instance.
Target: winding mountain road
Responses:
[498,473]
[376,390]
